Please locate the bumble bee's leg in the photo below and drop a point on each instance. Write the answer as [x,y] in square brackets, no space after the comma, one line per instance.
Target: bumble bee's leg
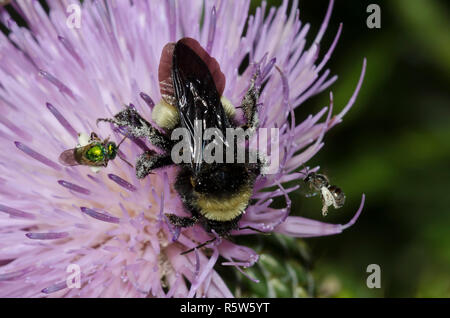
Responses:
[253,229]
[250,102]
[181,221]
[149,161]
[199,246]
[137,126]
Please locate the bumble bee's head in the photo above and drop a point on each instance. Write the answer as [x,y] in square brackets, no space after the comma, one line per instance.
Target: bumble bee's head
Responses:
[220,180]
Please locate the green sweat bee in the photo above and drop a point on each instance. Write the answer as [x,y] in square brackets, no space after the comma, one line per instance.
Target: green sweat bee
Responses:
[93,153]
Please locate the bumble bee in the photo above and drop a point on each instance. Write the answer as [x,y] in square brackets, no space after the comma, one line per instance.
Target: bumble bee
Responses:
[191,83]
[330,194]
[92,152]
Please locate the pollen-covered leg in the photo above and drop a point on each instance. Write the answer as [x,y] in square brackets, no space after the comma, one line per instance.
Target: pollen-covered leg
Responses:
[250,102]
[138,127]
[149,161]
[181,221]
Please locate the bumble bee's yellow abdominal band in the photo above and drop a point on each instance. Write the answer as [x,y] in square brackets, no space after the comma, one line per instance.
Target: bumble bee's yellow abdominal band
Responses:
[224,209]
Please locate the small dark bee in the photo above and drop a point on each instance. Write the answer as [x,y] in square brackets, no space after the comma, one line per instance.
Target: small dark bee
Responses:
[191,84]
[93,153]
[330,194]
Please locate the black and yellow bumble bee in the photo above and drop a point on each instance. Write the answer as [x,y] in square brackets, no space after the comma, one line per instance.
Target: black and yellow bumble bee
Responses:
[96,153]
[191,84]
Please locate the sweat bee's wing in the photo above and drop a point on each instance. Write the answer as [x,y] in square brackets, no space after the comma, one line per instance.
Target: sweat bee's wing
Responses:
[68,158]
[197,85]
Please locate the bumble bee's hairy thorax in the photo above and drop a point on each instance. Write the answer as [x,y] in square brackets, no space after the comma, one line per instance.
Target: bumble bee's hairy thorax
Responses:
[166,116]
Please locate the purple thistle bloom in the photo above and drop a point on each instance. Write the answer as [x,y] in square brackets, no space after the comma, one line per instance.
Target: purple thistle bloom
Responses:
[55,81]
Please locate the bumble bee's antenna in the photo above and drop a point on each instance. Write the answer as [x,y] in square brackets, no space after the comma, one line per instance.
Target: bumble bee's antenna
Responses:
[199,246]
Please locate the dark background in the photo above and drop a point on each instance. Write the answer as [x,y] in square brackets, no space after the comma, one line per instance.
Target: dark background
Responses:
[393,146]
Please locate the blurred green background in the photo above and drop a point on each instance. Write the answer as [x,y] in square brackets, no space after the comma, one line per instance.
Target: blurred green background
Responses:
[394,145]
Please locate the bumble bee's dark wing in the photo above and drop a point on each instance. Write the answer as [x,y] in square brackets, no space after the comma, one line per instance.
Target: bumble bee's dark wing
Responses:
[196,93]
[166,63]
[67,158]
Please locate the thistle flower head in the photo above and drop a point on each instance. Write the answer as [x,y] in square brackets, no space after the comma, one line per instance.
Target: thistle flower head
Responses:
[56,79]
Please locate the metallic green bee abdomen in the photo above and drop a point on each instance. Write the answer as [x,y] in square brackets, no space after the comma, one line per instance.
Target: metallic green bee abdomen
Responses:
[96,153]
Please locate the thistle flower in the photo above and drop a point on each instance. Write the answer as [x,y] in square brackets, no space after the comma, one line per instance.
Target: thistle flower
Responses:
[55,81]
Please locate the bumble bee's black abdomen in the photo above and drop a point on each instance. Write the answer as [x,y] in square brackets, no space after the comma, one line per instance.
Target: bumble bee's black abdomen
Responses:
[219,201]
[185,189]
[222,228]
[222,180]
